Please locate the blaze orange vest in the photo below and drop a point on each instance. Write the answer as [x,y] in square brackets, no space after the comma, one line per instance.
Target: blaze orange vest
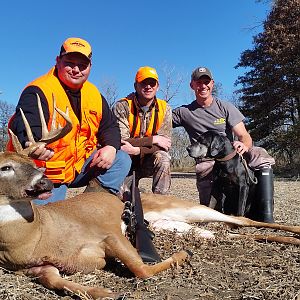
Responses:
[71,151]
[157,116]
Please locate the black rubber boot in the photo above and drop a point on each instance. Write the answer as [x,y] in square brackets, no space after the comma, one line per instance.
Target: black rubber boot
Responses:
[264,201]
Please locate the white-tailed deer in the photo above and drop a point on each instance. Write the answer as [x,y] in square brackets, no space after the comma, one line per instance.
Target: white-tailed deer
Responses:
[74,235]
[77,234]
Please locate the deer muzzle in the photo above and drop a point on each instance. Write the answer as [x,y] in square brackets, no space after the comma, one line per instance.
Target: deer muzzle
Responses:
[41,189]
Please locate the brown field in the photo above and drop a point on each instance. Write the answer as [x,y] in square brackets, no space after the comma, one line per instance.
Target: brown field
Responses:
[219,269]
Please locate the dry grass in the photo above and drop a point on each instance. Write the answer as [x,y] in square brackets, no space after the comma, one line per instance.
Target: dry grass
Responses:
[220,269]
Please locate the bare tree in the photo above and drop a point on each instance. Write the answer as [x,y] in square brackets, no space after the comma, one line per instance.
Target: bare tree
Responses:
[180,159]
[218,90]
[6,110]
[170,86]
[173,82]
[109,90]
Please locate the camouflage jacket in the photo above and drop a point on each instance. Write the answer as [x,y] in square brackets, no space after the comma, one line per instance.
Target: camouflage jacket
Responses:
[121,111]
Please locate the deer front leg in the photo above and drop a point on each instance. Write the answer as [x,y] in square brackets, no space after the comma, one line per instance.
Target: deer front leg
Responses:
[121,248]
[50,278]
[177,258]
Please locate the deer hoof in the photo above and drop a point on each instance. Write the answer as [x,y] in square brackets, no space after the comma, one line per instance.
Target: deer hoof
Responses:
[180,257]
[102,293]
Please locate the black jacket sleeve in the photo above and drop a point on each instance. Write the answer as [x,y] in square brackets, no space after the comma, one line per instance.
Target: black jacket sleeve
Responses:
[28,103]
[109,132]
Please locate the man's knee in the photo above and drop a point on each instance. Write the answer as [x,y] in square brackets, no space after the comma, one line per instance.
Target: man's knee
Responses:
[161,172]
[258,158]
[204,168]
[123,159]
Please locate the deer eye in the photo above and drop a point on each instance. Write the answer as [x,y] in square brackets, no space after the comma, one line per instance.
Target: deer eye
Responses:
[6,168]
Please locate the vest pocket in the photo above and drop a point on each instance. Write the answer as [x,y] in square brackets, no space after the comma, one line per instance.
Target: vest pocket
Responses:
[93,119]
[55,170]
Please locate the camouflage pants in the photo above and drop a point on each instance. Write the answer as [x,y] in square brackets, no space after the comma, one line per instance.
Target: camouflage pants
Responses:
[157,165]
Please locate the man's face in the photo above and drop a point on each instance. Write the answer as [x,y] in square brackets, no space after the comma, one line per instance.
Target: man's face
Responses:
[147,89]
[73,69]
[203,87]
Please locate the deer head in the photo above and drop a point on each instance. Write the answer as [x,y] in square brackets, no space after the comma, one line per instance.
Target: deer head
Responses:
[19,177]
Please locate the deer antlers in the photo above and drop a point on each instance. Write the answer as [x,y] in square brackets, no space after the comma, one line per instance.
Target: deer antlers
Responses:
[48,137]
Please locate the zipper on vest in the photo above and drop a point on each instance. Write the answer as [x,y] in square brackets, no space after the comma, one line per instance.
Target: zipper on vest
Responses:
[77,140]
[143,119]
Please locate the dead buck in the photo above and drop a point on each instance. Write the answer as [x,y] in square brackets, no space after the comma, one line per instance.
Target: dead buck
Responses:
[77,234]
[74,235]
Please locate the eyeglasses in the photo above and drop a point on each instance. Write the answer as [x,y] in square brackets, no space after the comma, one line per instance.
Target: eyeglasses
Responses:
[72,64]
[149,81]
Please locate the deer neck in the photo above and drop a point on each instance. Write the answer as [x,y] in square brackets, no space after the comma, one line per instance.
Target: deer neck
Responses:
[18,221]
[19,232]
[15,211]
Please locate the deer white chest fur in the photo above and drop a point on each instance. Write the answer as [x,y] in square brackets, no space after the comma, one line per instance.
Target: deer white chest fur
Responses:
[9,214]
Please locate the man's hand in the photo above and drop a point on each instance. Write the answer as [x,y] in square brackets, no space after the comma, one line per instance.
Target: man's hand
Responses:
[129,149]
[162,141]
[41,152]
[240,147]
[104,157]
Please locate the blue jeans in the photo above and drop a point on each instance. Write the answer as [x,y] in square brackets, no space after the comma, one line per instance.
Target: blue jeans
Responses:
[110,179]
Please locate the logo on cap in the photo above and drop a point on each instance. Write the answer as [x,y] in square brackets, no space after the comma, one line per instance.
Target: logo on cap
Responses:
[202,70]
[77,44]
[145,72]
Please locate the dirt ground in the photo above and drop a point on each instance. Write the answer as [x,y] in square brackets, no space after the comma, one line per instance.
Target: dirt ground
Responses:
[219,269]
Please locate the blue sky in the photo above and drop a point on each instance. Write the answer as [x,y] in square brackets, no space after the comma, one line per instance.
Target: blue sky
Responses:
[126,35]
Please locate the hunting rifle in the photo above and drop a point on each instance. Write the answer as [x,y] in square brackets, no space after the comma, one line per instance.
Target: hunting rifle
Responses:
[137,227]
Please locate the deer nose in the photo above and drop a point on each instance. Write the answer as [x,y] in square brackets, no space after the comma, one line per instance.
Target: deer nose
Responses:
[45,184]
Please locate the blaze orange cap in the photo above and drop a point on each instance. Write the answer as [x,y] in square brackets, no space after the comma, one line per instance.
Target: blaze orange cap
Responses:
[76,45]
[145,72]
